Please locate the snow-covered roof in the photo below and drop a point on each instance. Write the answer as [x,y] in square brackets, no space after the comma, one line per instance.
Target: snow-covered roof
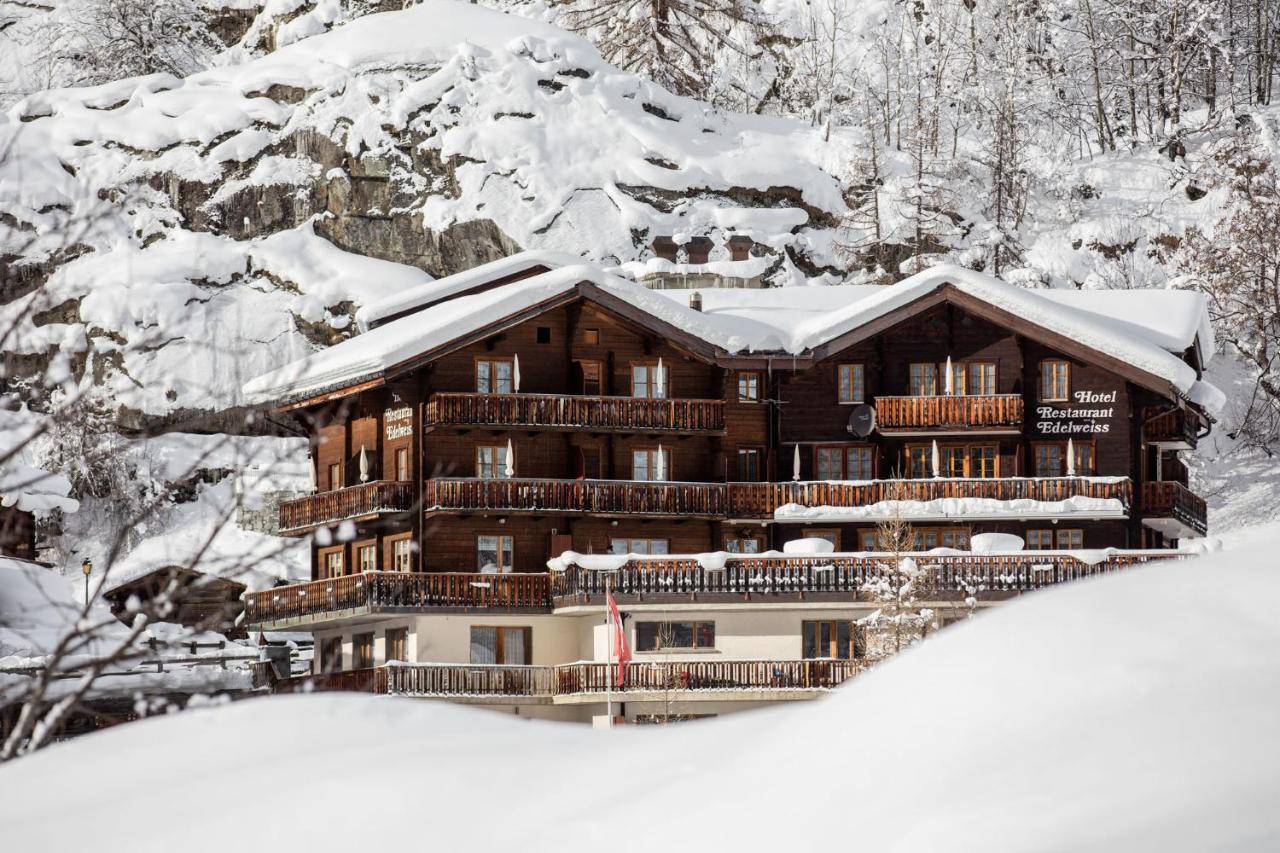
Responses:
[789,320]
[432,292]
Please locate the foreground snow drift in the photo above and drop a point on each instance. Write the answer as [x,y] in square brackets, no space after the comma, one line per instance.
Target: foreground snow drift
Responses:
[1134,712]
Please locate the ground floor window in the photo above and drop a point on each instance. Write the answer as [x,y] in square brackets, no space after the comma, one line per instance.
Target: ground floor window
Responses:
[639,546]
[331,654]
[362,651]
[501,645]
[832,639]
[744,544]
[494,554]
[656,636]
[1066,539]
[397,640]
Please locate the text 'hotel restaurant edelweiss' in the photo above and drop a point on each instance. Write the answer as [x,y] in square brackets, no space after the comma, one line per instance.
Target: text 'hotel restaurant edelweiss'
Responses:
[499,445]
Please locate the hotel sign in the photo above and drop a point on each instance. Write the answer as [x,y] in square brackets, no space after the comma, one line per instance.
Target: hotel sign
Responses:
[397,423]
[1087,414]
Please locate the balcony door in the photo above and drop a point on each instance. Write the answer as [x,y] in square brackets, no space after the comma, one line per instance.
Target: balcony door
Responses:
[590,462]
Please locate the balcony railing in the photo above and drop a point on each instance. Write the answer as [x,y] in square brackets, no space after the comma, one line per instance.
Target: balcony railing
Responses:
[1167,499]
[397,591]
[969,412]
[362,501]
[836,575]
[1176,428]
[758,500]
[516,682]
[599,497]
[562,411]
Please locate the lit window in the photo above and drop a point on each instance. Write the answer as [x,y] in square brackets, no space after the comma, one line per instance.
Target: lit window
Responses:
[655,636]
[494,377]
[749,387]
[852,381]
[1054,380]
[494,554]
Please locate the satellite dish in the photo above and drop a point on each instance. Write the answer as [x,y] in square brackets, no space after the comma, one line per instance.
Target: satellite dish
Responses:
[862,420]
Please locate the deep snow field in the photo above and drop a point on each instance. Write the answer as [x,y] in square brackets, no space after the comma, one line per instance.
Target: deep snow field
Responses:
[1131,712]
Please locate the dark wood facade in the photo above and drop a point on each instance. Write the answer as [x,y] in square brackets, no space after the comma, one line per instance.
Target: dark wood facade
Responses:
[433,438]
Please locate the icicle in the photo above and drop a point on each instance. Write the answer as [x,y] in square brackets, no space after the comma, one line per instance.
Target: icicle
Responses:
[937,460]
[510,469]
[515,372]
[948,382]
[795,464]
[364,465]
[1071,458]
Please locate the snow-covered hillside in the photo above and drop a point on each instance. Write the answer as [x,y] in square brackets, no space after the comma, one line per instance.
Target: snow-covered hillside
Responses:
[1148,724]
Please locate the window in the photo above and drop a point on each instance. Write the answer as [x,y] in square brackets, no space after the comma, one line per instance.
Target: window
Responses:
[494,554]
[591,337]
[924,380]
[1040,540]
[832,535]
[1049,460]
[928,538]
[592,378]
[335,476]
[655,636]
[852,382]
[638,546]
[1084,458]
[402,555]
[1055,380]
[749,387]
[331,655]
[843,462]
[982,378]
[1070,540]
[750,465]
[331,564]
[397,642]
[648,465]
[500,645]
[832,639]
[868,540]
[494,376]
[954,460]
[958,374]
[402,464]
[744,544]
[367,558]
[362,651]
[492,462]
[544,334]
[648,381]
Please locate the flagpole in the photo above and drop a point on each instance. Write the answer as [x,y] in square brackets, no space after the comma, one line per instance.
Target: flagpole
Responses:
[609,674]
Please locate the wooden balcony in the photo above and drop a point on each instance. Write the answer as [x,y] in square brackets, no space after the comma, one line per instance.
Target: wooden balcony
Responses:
[760,500]
[568,412]
[836,577]
[594,497]
[354,503]
[476,680]
[395,592]
[1000,413]
[1173,509]
[1178,429]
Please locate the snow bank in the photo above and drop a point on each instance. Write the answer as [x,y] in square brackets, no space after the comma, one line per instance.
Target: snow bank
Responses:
[972,508]
[1150,731]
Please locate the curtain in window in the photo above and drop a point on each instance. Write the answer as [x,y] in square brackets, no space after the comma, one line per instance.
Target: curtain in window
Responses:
[484,645]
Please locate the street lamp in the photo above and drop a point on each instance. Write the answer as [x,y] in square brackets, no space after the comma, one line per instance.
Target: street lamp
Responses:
[87,568]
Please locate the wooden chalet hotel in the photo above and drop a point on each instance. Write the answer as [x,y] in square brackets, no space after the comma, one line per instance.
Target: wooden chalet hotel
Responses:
[497,443]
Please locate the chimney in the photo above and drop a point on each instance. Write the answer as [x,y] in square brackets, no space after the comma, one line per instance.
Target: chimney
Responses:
[695,301]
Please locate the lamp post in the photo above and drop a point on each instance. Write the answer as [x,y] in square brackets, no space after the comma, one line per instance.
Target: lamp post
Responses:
[87,568]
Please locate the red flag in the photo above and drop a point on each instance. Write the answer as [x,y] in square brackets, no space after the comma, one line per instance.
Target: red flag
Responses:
[619,640]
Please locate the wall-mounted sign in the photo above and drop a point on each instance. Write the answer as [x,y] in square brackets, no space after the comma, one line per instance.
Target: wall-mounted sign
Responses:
[1086,416]
[397,423]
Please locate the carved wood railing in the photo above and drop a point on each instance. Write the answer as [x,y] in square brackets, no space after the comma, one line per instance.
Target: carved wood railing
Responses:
[365,499]
[1165,498]
[398,590]
[757,500]
[614,497]
[577,412]
[944,411]
[1175,426]
[769,576]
